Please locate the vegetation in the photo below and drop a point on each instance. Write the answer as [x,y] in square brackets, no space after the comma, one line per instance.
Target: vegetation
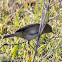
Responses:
[15,14]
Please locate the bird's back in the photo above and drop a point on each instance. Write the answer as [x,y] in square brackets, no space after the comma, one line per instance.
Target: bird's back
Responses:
[28,27]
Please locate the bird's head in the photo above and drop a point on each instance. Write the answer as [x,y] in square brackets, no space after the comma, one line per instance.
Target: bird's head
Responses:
[47,29]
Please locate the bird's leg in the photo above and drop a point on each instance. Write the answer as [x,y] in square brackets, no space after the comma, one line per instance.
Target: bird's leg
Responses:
[28,41]
[30,45]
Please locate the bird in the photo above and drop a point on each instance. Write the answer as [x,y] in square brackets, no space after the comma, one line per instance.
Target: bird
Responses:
[30,32]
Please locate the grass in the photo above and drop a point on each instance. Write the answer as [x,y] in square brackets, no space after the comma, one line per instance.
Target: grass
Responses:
[50,51]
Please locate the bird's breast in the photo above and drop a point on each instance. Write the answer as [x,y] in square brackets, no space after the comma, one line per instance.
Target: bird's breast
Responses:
[30,37]
[31,33]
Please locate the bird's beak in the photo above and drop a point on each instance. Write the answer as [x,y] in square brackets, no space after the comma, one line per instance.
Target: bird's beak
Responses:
[53,32]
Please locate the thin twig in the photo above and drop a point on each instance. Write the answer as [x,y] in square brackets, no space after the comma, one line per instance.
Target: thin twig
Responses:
[51,52]
[38,37]
[13,44]
[54,3]
[53,48]
[41,29]
[55,16]
[13,15]
[49,40]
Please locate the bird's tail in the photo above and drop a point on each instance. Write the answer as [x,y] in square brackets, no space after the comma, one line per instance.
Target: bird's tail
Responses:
[11,35]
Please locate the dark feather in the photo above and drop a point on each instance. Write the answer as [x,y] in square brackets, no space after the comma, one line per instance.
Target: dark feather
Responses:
[27,27]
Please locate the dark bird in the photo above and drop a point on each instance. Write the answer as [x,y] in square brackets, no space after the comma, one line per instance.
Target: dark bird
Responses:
[30,32]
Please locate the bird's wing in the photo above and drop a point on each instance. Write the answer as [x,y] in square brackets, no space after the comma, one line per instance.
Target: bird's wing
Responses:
[32,30]
[27,27]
